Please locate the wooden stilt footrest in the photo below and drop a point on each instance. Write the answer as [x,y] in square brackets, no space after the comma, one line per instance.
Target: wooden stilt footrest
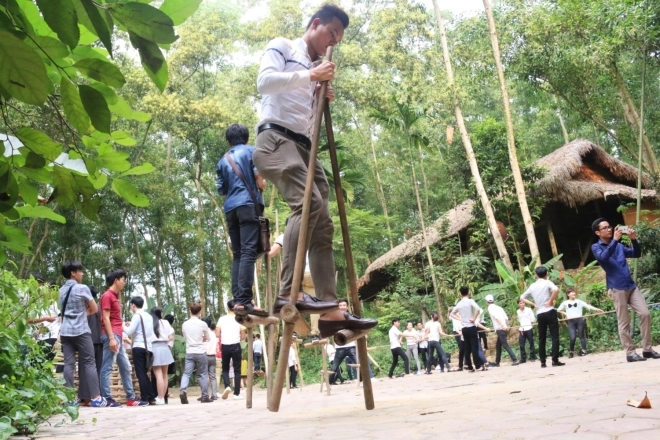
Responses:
[315,343]
[343,337]
[250,321]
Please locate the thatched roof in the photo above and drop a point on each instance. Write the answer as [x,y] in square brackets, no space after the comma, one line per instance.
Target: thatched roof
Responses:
[577,173]
[581,171]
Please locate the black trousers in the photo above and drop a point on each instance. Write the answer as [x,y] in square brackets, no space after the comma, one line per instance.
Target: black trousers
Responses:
[484,339]
[442,358]
[422,353]
[461,350]
[471,341]
[293,375]
[257,361]
[232,353]
[548,321]
[396,354]
[243,228]
[527,335]
[502,343]
[576,329]
[140,363]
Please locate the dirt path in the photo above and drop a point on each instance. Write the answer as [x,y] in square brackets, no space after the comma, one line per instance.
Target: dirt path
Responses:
[587,398]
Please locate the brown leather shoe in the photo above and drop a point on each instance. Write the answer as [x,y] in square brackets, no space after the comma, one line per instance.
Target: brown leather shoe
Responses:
[308,304]
[206,400]
[352,322]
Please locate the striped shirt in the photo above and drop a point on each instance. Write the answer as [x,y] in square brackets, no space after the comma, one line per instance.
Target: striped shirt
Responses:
[74,317]
[284,81]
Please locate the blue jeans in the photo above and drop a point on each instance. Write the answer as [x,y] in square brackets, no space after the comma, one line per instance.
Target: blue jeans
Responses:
[123,365]
[243,226]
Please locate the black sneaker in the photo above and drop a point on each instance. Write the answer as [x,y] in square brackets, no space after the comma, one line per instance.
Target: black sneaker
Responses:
[543,365]
[184,398]
[570,354]
[494,365]
[514,363]
[557,364]
[582,353]
[523,361]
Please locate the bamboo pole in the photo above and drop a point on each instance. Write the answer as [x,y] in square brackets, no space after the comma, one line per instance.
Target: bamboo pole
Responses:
[350,266]
[287,334]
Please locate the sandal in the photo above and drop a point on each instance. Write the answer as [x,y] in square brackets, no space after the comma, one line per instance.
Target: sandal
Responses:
[249,309]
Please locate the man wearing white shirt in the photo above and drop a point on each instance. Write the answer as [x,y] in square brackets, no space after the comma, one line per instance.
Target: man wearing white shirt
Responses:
[467,311]
[526,318]
[257,351]
[544,292]
[423,344]
[230,333]
[141,325]
[289,80]
[397,352]
[501,327]
[195,332]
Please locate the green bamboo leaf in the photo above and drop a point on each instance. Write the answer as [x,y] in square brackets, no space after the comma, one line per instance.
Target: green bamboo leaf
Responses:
[99,25]
[180,10]
[61,18]
[39,143]
[130,193]
[52,47]
[144,20]
[73,106]
[96,107]
[40,212]
[100,70]
[122,138]
[28,192]
[124,110]
[152,60]
[145,168]
[22,73]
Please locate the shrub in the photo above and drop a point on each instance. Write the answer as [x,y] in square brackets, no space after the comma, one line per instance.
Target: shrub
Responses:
[30,394]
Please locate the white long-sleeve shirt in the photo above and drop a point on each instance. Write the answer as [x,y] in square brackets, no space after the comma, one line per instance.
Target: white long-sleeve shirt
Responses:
[498,316]
[285,84]
[525,318]
[574,308]
[136,328]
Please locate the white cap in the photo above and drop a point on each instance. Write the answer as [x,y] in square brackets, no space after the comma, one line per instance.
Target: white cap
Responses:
[489,298]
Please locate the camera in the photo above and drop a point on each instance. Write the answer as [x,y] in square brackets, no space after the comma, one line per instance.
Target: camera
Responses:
[624,229]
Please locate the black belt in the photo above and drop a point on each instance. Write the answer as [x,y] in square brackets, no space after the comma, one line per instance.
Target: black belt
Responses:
[304,140]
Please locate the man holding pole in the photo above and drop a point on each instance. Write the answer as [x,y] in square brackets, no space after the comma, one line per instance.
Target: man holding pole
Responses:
[611,255]
[289,80]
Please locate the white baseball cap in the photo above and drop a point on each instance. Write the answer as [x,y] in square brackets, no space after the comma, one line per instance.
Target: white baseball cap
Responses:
[489,298]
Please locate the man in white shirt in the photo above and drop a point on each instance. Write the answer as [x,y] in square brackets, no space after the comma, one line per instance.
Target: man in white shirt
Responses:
[257,351]
[544,292]
[501,327]
[195,332]
[293,366]
[230,333]
[526,318]
[433,330]
[142,326]
[288,81]
[467,311]
[397,351]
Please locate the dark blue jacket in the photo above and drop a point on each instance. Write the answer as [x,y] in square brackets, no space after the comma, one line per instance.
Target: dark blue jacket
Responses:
[230,185]
[612,259]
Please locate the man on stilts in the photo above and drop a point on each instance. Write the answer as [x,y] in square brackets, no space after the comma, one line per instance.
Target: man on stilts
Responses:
[289,78]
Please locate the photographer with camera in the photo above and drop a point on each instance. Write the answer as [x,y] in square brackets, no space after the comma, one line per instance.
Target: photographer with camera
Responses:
[611,255]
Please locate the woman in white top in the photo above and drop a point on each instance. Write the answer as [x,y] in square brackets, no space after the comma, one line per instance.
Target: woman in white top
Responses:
[576,321]
[411,344]
[163,334]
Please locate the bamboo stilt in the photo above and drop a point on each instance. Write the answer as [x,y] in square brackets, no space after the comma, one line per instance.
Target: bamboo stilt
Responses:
[250,372]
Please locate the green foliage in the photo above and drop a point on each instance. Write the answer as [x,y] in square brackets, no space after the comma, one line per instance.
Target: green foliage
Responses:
[30,393]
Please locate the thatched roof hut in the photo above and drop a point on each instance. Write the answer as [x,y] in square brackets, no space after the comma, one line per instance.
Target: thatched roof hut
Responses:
[582,182]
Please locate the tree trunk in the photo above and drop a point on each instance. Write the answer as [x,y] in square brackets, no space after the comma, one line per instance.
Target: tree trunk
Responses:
[561,122]
[438,299]
[511,142]
[21,270]
[474,167]
[201,277]
[169,155]
[426,183]
[383,200]
[137,253]
[635,122]
[157,283]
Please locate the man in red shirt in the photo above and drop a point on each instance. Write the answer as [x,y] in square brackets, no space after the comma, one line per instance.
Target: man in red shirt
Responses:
[111,336]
